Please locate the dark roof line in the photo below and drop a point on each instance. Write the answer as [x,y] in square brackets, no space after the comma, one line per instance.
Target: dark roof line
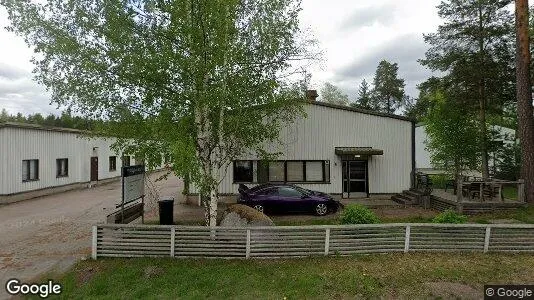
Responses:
[42,127]
[362,111]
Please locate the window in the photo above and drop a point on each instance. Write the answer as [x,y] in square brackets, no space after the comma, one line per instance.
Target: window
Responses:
[243,171]
[295,171]
[126,161]
[314,171]
[276,171]
[112,163]
[288,192]
[30,170]
[62,167]
[317,171]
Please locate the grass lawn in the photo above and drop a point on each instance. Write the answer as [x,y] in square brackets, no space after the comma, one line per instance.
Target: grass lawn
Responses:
[397,275]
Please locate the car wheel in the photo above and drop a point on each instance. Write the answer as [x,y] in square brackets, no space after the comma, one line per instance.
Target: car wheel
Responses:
[258,207]
[321,209]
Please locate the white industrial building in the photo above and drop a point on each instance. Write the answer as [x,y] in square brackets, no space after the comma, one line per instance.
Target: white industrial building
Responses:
[334,149]
[37,160]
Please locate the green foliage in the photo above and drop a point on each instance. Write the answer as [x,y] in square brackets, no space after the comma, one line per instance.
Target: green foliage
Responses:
[388,91]
[474,49]
[439,180]
[202,81]
[509,166]
[452,136]
[365,99]
[66,120]
[358,214]
[334,95]
[419,109]
[450,216]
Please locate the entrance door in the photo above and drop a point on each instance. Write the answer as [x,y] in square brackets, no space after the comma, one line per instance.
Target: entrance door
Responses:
[355,178]
[94,168]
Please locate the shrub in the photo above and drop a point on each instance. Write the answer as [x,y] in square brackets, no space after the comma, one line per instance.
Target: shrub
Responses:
[358,214]
[450,216]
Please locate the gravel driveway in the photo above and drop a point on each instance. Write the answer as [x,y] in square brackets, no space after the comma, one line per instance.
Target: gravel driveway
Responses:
[49,234]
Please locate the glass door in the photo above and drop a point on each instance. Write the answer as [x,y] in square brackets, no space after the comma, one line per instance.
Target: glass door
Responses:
[354,177]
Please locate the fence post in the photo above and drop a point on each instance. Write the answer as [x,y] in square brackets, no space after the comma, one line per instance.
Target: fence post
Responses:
[487,239]
[407,239]
[521,190]
[94,242]
[327,241]
[247,253]
[173,239]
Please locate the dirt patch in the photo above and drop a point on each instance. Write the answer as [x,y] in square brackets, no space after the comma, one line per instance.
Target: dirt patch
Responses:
[452,290]
[408,212]
[85,275]
[153,271]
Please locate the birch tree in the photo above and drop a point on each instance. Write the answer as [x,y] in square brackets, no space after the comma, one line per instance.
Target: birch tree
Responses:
[202,81]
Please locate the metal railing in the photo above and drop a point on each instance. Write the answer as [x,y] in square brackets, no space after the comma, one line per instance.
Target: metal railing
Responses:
[118,240]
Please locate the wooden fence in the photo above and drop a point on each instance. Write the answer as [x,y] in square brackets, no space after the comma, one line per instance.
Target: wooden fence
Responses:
[126,240]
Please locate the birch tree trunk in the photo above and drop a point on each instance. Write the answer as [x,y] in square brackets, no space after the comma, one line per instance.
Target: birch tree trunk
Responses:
[524,98]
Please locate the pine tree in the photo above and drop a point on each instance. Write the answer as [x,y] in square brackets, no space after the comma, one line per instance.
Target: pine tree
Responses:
[364,100]
[388,92]
[474,48]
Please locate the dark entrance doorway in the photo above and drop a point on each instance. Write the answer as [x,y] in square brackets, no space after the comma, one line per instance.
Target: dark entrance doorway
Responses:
[94,168]
[355,179]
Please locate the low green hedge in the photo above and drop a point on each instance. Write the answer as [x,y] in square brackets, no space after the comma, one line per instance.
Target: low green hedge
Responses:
[358,214]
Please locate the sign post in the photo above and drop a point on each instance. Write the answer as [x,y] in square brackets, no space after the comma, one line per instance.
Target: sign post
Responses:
[133,189]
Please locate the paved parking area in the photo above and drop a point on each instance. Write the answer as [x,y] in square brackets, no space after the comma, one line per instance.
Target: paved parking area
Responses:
[51,233]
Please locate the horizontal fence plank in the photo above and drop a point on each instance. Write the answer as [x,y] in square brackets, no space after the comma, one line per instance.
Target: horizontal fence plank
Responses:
[133,240]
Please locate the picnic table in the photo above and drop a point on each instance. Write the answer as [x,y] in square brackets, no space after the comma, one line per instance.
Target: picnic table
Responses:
[483,190]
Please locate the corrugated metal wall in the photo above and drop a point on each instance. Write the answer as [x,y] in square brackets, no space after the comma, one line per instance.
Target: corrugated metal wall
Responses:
[315,137]
[17,144]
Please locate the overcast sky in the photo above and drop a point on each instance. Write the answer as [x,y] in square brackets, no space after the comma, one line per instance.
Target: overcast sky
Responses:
[354,36]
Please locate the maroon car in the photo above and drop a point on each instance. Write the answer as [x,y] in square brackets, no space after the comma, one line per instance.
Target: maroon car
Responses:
[286,198]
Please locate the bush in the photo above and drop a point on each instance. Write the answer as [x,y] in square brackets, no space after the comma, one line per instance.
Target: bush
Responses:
[450,216]
[358,214]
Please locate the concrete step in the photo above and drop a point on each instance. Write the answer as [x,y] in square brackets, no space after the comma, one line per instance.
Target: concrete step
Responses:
[407,198]
[399,198]
[412,193]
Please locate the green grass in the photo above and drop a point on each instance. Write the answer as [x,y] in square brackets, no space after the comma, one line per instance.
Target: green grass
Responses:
[509,192]
[364,276]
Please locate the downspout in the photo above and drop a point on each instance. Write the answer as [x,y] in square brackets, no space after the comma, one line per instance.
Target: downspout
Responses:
[412,178]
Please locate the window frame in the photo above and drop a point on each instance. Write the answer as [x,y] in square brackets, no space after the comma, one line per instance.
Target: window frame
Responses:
[325,164]
[123,159]
[58,160]
[234,171]
[29,168]
[114,163]
[298,194]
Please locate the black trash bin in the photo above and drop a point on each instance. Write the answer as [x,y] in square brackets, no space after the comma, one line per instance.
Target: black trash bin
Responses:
[166,211]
